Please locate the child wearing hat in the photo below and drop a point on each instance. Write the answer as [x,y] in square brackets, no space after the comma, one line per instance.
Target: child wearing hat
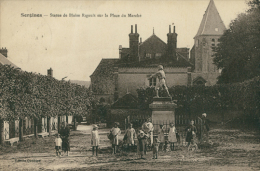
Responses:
[95,139]
[172,136]
[115,131]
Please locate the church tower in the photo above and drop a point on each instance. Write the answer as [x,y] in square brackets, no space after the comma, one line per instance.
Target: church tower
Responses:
[210,30]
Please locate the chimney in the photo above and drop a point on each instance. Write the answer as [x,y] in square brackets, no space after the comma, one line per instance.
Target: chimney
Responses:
[134,45]
[171,44]
[4,51]
[50,72]
[140,39]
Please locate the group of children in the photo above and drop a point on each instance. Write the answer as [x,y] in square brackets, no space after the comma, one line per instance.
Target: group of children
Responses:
[142,137]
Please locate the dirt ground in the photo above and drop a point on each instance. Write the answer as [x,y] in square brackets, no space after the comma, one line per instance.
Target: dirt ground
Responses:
[234,149]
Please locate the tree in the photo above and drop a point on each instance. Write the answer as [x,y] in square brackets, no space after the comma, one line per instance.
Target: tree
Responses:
[238,53]
[33,96]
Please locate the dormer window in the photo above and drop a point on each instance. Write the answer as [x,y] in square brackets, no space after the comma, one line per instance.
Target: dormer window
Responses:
[158,55]
[148,55]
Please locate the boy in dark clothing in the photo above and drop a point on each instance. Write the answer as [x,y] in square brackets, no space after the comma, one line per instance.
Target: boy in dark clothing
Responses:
[191,132]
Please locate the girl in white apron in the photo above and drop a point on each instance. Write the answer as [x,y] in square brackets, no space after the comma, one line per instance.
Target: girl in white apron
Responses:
[172,136]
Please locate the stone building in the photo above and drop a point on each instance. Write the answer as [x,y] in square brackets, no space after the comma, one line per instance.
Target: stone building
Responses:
[113,78]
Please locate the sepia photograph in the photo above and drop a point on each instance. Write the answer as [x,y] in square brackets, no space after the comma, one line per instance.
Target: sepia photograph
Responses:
[130,85]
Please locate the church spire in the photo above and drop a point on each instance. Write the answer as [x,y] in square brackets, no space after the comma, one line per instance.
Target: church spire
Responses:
[211,23]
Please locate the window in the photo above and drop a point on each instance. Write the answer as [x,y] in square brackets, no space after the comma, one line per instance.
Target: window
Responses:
[213,43]
[152,82]
[148,55]
[216,29]
[158,55]
[197,43]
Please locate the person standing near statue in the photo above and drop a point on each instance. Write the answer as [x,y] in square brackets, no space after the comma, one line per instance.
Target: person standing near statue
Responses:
[160,74]
[129,137]
[148,128]
[172,136]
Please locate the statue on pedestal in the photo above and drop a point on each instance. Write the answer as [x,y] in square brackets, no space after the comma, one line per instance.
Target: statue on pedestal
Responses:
[160,74]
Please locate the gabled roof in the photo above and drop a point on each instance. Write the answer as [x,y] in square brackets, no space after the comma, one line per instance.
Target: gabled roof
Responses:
[153,39]
[128,101]
[5,61]
[211,23]
[104,66]
[183,60]
[199,78]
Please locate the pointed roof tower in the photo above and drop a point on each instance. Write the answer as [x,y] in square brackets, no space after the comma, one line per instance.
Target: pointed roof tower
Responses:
[211,23]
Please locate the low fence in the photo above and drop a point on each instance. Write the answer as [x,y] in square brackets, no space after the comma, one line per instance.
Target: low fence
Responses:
[179,120]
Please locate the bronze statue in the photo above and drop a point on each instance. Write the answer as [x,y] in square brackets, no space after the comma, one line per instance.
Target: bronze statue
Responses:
[160,74]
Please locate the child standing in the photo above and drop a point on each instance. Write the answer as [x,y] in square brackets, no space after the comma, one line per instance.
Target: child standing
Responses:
[115,141]
[142,140]
[172,136]
[191,132]
[156,148]
[161,137]
[95,139]
[58,143]
[130,136]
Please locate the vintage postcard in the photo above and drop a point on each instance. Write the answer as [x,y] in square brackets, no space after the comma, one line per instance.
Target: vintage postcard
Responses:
[116,50]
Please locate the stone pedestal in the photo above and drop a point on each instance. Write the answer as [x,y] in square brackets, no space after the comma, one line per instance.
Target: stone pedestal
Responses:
[163,112]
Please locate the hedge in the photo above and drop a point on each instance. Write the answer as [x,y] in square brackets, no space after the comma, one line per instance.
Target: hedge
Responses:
[26,94]
[197,99]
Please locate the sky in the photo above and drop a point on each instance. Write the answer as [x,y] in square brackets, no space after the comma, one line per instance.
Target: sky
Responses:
[74,46]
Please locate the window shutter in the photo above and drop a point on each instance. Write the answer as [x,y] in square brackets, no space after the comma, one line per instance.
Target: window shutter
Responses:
[146,81]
